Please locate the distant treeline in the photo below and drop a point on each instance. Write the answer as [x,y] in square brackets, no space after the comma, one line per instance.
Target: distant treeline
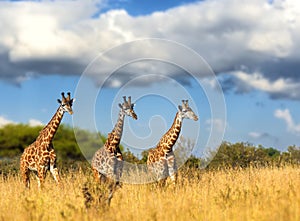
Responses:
[241,155]
[15,137]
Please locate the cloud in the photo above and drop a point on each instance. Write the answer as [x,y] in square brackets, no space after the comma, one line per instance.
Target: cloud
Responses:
[259,135]
[285,115]
[62,37]
[4,121]
[243,82]
[37,38]
[34,122]
[263,137]
[256,135]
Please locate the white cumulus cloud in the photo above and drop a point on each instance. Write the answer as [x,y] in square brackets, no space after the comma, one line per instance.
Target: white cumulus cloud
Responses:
[4,121]
[62,37]
[278,88]
[286,116]
[34,122]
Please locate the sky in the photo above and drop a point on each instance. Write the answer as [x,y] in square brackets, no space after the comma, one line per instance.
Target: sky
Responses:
[237,62]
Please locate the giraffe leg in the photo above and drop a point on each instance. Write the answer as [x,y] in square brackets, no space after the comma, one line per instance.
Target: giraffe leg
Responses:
[161,182]
[55,174]
[24,170]
[162,170]
[118,166]
[40,176]
[96,174]
[172,167]
[53,168]
[114,172]
[37,178]
[112,187]
[153,168]
[103,178]
[119,170]
[107,183]
[99,177]
[158,169]
[25,177]
[174,178]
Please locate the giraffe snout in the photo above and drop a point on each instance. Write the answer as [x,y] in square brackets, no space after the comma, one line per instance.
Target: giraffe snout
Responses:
[134,116]
[70,111]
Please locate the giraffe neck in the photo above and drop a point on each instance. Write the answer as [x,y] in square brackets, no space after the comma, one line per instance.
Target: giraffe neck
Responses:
[168,140]
[114,137]
[48,132]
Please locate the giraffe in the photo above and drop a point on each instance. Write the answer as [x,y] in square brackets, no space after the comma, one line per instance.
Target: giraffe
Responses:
[161,159]
[40,155]
[107,162]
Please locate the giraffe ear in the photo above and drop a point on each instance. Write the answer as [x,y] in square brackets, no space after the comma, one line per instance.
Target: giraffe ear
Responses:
[120,106]
[180,107]
[59,101]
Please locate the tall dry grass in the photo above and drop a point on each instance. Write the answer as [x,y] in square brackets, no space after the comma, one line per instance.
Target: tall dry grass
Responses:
[243,194]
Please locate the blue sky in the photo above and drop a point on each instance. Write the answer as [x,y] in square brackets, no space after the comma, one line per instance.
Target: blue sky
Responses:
[136,8]
[150,51]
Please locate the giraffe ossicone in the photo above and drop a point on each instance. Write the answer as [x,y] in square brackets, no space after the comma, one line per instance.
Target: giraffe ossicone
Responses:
[40,155]
[161,160]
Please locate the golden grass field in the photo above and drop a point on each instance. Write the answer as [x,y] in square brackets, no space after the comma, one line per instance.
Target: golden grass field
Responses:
[240,194]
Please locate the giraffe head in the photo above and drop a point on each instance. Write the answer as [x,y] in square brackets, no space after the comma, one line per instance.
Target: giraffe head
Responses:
[127,107]
[66,103]
[187,112]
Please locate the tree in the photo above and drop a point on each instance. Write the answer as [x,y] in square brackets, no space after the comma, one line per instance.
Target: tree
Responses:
[292,155]
[128,156]
[15,137]
[243,155]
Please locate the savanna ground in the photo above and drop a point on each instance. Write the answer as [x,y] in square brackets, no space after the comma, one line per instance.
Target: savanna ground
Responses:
[268,193]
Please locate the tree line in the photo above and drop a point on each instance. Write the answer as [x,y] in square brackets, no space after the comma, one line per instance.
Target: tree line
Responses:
[15,137]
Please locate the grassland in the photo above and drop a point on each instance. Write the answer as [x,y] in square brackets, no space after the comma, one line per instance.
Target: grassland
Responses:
[229,194]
